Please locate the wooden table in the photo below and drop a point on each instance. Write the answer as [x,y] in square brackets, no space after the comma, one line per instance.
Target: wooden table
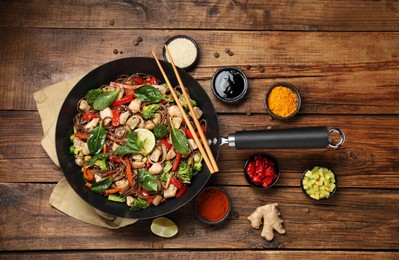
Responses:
[342,55]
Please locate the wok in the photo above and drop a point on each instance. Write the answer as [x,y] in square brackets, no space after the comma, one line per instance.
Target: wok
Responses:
[313,137]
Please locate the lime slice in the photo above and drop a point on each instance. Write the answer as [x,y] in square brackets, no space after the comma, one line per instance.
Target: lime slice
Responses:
[164,227]
[147,136]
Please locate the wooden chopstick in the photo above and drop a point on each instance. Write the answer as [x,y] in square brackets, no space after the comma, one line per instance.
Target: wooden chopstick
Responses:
[188,123]
[192,112]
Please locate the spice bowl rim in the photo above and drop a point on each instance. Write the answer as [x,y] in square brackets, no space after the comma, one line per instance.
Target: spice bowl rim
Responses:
[172,38]
[208,221]
[231,100]
[323,166]
[290,86]
[276,165]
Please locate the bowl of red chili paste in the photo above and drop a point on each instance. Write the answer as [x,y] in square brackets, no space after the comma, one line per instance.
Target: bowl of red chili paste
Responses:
[212,205]
[261,171]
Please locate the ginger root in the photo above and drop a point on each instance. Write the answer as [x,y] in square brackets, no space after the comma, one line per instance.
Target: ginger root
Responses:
[271,220]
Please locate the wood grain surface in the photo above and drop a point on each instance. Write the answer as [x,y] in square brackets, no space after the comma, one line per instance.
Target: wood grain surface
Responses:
[305,220]
[299,15]
[343,56]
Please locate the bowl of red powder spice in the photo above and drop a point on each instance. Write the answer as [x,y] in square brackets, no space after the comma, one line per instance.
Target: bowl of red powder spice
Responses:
[282,100]
[212,205]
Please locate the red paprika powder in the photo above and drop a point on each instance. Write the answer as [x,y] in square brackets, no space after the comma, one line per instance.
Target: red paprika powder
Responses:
[212,204]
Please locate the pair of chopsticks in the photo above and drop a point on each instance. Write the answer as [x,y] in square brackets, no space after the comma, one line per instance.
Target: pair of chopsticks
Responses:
[206,153]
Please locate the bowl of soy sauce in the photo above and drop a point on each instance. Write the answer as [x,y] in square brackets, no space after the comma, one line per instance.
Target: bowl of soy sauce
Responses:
[229,84]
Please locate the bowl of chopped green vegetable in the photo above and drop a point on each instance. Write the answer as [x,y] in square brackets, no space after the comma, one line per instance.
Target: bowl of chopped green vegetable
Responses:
[319,183]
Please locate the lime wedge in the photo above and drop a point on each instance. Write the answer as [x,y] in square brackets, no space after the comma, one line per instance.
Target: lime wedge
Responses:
[148,137]
[164,227]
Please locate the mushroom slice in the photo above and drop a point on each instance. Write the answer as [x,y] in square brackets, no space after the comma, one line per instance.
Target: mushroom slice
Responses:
[84,106]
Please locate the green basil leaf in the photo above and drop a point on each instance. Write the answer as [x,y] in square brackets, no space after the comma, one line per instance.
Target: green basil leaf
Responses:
[96,139]
[92,94]
[132,146]
[148,181]
[179,140]
[105,99]
[102,185]
[149,94]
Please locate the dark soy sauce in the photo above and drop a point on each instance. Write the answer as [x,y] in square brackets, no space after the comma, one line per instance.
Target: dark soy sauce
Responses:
[229,84]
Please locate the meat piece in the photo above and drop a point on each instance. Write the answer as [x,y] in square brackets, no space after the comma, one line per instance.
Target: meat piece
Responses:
[174,111]
[158,199]
[92,124]
[170,192]
[106,115]
[154,157]
[134,106]
[123,117]
[156,168]
[176,121]
[124,184]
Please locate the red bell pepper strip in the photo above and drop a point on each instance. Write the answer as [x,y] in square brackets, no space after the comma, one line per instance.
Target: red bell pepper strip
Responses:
[150,200]
[177,161]
[113,191]
[152,80]
[115,159]
[81,136]
[189,135]
[144,192]
[129,173]
[116,140]
[147,165]
[166,143]
[116,113]
[124,100]
[181,191]
[175,182]
[88,174]
[138,80]
[88,116]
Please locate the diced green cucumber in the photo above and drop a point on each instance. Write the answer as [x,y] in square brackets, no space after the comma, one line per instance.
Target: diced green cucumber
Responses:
[319,182]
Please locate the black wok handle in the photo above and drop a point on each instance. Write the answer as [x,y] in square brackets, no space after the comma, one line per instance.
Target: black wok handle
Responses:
[306,137]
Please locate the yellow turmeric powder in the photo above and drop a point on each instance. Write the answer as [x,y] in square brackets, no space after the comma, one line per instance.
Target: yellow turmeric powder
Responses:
[282,101]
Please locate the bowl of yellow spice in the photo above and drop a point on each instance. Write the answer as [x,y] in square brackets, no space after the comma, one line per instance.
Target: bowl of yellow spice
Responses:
[282,100]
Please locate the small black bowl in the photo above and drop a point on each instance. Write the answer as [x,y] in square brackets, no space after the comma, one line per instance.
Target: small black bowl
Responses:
[293,89]
[182,49]
[202,195]
[229,84]
[276,169]
[331,193]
